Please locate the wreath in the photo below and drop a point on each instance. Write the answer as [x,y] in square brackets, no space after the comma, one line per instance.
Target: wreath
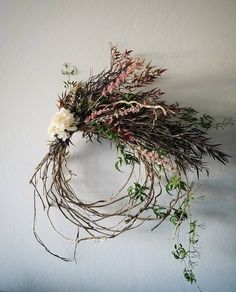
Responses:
[161,142]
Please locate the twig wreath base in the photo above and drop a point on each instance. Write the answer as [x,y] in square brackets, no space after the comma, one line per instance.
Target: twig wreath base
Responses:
[166,140]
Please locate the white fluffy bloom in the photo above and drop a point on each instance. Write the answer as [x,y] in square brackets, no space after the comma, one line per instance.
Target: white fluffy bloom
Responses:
[61,123]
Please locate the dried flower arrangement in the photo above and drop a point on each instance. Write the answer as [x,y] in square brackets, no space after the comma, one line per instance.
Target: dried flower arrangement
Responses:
[166,140]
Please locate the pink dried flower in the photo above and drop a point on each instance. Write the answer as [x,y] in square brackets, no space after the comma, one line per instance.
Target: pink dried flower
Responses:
[120,78]
[96,114]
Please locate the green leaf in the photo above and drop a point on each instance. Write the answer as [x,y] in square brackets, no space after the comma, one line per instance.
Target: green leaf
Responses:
[175,183]
[160,211]
[189,276]
[118,164]
[138,192]
[178,216]
[126,157]
[179,252]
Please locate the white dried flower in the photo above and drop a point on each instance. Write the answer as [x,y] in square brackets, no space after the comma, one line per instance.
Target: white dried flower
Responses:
[61,124]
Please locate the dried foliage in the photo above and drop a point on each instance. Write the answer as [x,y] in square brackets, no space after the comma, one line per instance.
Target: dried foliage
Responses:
[167,140]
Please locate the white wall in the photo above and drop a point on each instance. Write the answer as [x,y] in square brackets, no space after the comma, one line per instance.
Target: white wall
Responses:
[196,41]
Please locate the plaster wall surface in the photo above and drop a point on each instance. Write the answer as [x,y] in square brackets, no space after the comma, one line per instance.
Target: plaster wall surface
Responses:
[196,41]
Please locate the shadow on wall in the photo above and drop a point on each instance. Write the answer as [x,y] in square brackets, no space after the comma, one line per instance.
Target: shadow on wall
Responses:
[98,179]
[209,90]
[219,198]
